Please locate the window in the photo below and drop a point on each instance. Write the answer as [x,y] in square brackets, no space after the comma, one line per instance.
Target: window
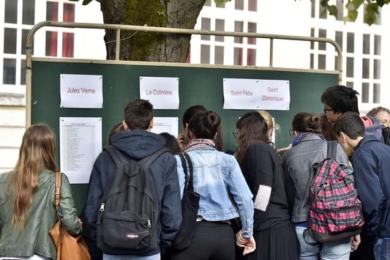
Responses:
[9,41]
[252,28]
[239,4]
[219,26]
[205,54]
[366,44]
[68,13]
[9,71]
[339,39]
[10,12]
[252,5]
[350,42]
[340,10]
[322,34]
[67,44]
[350,65]
[366,68]
[251,57]
[377,45]
[218,55]
[52,11]
[377,93]
[238,27]
[28,12]
[23,72]
[321,62]
[51,43]
[365,92]
[206,25]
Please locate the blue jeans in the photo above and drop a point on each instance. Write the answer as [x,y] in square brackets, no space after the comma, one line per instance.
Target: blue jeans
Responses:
[339,250]
[382,249]
[131,257]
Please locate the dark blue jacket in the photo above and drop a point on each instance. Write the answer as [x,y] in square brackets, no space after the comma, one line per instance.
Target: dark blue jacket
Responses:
[371,164]
[139,144]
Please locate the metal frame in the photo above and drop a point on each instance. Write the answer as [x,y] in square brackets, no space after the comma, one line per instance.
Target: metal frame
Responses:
[119,27]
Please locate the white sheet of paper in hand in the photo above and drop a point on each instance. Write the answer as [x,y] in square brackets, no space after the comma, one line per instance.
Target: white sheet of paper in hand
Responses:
[262,197]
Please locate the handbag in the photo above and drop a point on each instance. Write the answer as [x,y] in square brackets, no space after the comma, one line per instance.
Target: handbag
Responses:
[189,207]
[68,247]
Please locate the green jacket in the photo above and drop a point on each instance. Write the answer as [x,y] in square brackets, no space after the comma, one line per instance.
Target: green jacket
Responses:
[35,238]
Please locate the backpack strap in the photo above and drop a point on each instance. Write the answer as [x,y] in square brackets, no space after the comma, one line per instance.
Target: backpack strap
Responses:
[185,169]
[116,155]
[331,150]
[147,161]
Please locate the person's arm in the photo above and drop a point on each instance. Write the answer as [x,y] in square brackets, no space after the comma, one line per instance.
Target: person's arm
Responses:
[369,191]
[94,198]
[171,215]
[242,196]
[67,210]
[289,185]
[260,172]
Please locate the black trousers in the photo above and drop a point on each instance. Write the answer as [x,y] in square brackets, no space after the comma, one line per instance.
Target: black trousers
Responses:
[211,241]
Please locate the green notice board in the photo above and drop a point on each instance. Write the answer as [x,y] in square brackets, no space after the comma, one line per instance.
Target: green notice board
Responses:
[196,86]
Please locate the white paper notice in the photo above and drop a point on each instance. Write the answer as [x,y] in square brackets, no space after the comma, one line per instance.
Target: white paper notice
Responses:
[81,91]
[163,93]
[80,143]
[239,93]
[262,198]
[166,124]
[273,95]
[256,94]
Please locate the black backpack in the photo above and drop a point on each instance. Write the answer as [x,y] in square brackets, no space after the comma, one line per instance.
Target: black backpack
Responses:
[129,216]
[386,135]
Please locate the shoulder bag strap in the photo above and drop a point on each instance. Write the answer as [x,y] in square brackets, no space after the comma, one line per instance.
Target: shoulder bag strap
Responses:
[185,169]
[332,150]
[57,194]
[191,172]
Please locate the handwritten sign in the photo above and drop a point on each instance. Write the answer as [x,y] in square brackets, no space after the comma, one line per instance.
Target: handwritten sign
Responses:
[81,91]
[163,93]
[256,94]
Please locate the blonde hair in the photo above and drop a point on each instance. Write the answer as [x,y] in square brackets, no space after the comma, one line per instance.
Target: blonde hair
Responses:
[36,153]
[268,119]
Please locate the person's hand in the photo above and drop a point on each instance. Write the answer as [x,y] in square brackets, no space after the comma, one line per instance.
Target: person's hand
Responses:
[181,141]
[249,244]
[355,243]
[284,149]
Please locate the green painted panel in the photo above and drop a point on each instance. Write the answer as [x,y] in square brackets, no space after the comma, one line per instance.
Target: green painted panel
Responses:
[196,86]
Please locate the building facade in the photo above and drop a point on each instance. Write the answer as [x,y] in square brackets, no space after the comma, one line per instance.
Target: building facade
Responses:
[362,47]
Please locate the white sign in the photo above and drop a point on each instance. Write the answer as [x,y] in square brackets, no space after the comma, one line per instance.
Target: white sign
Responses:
[80,144]
[273,94]
[163,93]
[256,94]
[239,93]
[81,91]
[166,124]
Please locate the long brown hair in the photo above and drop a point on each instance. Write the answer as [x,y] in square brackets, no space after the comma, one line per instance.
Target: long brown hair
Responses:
[36,153]
[252,128]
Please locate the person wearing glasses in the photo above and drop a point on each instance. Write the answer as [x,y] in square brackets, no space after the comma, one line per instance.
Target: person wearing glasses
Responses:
[308,147]
[262,168]
[340,99]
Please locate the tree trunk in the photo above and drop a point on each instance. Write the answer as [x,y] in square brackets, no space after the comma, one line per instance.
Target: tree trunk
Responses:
[147,46]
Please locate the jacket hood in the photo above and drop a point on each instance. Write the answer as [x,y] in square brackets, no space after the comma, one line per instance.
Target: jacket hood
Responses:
[373,127]
[137,143]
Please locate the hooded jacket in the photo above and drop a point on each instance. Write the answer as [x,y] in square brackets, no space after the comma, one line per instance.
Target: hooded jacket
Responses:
[371,165]
[373,127]
[138,144]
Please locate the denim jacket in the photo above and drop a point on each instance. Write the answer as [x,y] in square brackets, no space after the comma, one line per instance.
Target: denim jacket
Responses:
[217,174]
[298,162]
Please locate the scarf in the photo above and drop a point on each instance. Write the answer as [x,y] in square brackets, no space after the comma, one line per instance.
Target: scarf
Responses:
[302,135]
[197,144]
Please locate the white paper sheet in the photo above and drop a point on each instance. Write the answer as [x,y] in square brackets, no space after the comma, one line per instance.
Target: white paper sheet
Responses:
[256,94]
[166,124]
[80,144]
[163,93]
[239,93]
[81,91]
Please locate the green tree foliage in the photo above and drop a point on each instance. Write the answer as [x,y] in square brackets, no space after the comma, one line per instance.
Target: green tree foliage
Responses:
[371,8]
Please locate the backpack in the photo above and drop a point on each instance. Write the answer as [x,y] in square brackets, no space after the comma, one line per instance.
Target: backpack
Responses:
[335,210]
[129,216]
[386,135]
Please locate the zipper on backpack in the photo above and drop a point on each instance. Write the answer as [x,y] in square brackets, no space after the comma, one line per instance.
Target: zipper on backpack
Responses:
[100,213]
[149,224]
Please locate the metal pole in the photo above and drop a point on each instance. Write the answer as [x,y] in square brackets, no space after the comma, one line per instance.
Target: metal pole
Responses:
[271,52]
[118,44]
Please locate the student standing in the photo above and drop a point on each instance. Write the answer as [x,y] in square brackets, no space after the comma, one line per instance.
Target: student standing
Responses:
[309,147]
[371,163]
[224,195]
[27,211]
[137,142]
[273,231]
